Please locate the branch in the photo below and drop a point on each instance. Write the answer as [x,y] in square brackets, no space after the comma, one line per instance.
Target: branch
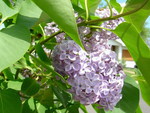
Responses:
[94,21]
[114,17]
[46,40]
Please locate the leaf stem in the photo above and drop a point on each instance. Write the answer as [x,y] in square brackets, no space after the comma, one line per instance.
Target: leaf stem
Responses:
[87,10]
[42,31]
[114,17]
[99,27]
[110,8]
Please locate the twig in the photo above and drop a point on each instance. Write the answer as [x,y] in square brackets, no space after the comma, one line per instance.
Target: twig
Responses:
[94,21]
[45,40]
[99,27]
[114,17]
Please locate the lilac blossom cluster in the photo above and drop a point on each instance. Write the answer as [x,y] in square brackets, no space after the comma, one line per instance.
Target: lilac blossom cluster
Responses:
[51,28]
[94,74]
[111,24]
[95,77]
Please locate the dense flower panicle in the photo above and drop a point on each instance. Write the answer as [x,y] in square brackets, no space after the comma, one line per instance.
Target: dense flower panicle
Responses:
[68,57]
[95,42]
[111,24]
[94,74]
[95,77]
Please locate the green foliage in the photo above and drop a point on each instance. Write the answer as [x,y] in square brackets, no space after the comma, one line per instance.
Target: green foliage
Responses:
[6,11]
[16,85]
[144,87]
[42,55]
[9,101]
[135,44]
[28,14]
[14,42]
[142,13]
[30,87]
[63,96]
[92,4]
[29,83]
[145,90]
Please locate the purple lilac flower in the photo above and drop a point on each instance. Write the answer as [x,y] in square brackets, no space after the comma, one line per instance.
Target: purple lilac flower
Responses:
[53,28]
[111,24]
[94,74]
[68,57]
[95,77]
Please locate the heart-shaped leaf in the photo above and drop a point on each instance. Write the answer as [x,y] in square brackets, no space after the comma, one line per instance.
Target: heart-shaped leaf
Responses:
[14,42]
[62,13]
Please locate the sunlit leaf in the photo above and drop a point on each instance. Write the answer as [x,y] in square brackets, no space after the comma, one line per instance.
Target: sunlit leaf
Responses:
[14,42]
[136,46]
[62,13]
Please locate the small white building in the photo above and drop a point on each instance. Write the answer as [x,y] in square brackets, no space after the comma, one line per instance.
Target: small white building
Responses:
[123,54]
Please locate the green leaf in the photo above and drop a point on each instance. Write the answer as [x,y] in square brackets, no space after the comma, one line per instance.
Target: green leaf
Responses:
[95,106]
[45,97]
[28,106]
[63,96]
[41,53]
[83,108]
[116,5]
[138,110]
[40,108]
[28,14]
[142,14]
[10,101]
[74,108]
[145,90]
[76,2]
[8,74]
[8,3]
[136,46]
[31,106]
[43,18]
[62,13]
[6,10]
[92,4]
[79,10]
[14,42]
[30,87]
[16,85]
